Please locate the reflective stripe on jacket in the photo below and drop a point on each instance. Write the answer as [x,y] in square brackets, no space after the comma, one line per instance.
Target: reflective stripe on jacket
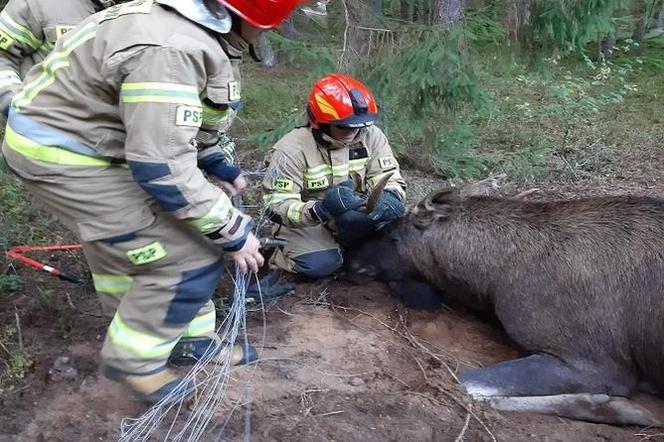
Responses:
[107,95]
[28,32]
[301,170]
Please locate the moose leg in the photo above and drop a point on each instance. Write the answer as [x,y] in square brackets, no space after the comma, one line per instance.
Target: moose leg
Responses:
[544,384]
[599,408]
[415,294]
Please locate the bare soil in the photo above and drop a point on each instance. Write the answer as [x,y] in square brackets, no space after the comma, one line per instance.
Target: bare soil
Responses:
[341,362]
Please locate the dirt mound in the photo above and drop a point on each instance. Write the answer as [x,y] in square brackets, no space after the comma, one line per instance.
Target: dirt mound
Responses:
[339,362]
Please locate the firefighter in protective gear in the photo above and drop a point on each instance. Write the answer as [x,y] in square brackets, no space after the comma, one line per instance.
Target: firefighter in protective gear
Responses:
[104,134]
[318,177]
[28,32]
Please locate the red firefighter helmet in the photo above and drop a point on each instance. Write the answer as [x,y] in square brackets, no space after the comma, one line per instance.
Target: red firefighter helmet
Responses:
[266,14]
[342,101]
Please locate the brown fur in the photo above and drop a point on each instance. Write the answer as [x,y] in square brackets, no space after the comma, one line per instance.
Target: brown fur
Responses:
[582,279]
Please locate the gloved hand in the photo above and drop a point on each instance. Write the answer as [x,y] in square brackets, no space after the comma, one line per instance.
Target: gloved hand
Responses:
[388,209]
[341,198]
[319,212]
[354,227]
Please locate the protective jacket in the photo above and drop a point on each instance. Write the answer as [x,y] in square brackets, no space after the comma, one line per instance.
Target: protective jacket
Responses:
[28,32]
[104,135]
[139,105]
[301,170]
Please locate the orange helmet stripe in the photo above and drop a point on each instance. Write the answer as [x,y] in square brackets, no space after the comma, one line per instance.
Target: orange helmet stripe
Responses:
[326,107]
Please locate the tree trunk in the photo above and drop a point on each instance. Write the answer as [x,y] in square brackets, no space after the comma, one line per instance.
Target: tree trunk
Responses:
[404,8]
[607,45]
[639,29]
[518,17]
[450,12]
[286,29]
[639,13]
[660,18]
[264,51]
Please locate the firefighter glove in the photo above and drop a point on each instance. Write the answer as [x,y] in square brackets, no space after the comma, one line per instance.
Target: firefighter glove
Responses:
[353,227]
[341,198]
[319,212]
[389,208]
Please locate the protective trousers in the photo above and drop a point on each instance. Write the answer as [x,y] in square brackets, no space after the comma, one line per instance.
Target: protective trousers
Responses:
[309,251]
[154,274]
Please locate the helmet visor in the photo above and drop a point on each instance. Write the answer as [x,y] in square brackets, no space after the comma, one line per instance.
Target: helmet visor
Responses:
[356,121]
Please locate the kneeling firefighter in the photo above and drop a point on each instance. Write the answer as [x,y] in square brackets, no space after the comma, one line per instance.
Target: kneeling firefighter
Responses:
[319,175]
[104,134]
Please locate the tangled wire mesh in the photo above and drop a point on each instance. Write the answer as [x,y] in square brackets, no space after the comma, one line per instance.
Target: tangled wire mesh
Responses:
[176,418]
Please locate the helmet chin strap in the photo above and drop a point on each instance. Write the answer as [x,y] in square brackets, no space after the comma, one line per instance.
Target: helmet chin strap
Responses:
[255,55]
[332,143]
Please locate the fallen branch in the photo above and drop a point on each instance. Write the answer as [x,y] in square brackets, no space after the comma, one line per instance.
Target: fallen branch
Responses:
[525,193]
[2,346]
[350,309]
[413,340]
[340,65]
[18,330]
[329,413]
[415,343]
[77,310]
[459,438]
[468,410]
[646,437]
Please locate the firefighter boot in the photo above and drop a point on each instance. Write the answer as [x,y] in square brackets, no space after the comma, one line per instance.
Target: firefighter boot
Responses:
[268,287]
[188,351]
[153,387]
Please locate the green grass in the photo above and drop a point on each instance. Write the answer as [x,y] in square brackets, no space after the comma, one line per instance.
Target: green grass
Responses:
[9,284]
[15,362]
[544,120]
[22,221]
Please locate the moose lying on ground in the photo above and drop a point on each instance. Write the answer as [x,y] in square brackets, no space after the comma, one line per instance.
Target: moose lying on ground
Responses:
[578,284]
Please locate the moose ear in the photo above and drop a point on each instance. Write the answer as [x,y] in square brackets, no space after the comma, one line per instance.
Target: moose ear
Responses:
[442,203]
[438,205]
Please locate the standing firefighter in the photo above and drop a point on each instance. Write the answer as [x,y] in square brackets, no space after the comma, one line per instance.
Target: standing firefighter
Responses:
[103,133]
[318,176]
[28,32]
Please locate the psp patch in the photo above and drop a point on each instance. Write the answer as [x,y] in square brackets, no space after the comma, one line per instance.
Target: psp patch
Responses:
[321,183]
[5,40]
[387,163]
[62,30]
[147,254]
[233,90]
[282,185]
[189,116]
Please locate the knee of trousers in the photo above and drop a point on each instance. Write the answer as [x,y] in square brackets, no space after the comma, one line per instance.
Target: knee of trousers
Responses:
[318,264]
[195,288]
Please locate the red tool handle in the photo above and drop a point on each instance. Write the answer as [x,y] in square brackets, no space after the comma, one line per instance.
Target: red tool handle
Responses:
[17,253]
